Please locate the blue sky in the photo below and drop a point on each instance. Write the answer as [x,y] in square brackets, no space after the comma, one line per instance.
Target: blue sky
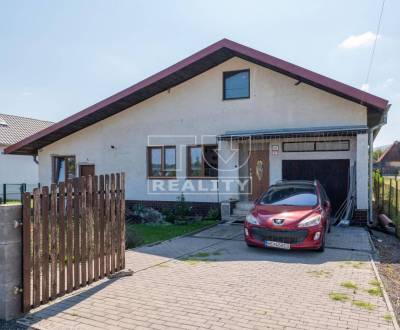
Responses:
[58,57]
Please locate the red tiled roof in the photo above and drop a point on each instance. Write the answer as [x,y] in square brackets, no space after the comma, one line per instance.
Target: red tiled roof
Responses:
[193,65]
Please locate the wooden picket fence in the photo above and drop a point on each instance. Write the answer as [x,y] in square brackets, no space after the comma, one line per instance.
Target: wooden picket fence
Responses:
[73,235]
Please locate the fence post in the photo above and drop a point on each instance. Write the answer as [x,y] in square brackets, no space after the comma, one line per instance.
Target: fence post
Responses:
[397,197]
[4,193]
[390,198]
[22,189]
[383,195]
[10,262]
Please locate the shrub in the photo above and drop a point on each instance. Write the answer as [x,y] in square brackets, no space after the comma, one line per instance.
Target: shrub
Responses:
[169,215]
[213,214]
[132,239]
[142,214]
[182,209]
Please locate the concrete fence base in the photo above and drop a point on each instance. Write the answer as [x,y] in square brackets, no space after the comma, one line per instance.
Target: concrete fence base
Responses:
[10,262]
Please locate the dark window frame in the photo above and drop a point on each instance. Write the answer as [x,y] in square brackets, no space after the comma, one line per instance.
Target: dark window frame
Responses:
[189,161]
[54,165]
[315,146]
[148,160]
[227,74]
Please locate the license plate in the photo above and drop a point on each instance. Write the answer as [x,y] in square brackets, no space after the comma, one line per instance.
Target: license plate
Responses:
[277,245]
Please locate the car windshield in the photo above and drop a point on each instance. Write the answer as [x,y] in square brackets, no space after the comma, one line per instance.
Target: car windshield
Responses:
[294,195]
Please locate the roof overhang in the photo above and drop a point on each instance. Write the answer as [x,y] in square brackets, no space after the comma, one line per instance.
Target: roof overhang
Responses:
[180,72]
[295,132]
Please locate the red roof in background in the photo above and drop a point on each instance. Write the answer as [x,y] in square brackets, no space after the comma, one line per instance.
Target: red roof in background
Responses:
[193,65]
[391,154]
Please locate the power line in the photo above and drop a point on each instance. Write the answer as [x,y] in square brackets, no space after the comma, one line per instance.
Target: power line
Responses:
[375,41]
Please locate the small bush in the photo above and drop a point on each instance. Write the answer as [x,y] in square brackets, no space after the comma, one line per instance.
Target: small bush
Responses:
[213,214]
[146,215]
[132,239]
[182,209]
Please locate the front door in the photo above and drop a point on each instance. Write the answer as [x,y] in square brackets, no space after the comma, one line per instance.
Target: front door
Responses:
[259,172]
[85,170]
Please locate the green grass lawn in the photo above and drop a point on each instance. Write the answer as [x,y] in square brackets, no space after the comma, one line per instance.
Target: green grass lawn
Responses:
[13,202]
[153,233]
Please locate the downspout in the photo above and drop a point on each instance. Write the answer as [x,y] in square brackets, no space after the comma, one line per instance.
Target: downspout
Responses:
[371,131]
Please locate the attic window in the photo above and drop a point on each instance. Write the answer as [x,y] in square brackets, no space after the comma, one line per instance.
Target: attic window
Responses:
[236,85]
[3,123]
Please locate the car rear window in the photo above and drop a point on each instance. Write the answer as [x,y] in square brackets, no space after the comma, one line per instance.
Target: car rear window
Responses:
[294,195]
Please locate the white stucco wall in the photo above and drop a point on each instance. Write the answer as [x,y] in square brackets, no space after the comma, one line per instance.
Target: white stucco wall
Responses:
[362,171]
[18,169]
[196,108]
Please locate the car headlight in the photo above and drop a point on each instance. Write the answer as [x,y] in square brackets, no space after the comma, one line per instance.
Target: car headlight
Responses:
[309,222]
[251,219]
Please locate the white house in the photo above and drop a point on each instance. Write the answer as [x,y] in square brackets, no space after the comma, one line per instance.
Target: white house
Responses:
[18,169]
[221,124]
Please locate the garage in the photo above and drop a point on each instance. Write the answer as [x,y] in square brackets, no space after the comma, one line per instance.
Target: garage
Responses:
[332,173]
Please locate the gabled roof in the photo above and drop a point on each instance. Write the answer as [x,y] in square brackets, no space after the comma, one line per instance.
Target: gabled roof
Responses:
[391,154]
[188,68]
[15,128]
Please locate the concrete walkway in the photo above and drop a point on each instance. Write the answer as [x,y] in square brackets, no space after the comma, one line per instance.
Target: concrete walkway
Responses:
[212,280]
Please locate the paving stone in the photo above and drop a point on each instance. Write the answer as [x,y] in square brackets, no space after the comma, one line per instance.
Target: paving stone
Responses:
[228,286]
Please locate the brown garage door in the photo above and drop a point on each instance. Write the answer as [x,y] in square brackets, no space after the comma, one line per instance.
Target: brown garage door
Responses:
[333,175]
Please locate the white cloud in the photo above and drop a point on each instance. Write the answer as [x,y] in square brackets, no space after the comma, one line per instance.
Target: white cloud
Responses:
[365,87]
[361,40]
[388,82]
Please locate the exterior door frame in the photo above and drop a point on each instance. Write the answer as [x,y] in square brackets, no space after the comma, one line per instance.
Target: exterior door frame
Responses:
[259,161]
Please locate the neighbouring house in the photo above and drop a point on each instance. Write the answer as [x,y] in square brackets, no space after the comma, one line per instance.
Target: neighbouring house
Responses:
[389,162]
[222,124]
[18,169]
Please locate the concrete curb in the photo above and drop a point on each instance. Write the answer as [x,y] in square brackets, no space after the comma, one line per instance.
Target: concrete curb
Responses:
[385,295]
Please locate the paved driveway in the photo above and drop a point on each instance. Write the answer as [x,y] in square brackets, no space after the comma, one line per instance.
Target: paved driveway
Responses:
[212,280]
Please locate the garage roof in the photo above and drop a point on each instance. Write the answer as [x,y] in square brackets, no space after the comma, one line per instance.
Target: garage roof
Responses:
[193,65]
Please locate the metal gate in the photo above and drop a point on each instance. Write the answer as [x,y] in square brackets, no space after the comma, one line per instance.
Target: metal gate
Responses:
[73,235]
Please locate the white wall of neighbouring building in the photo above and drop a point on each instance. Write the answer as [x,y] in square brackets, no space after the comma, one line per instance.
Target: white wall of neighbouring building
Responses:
[196,108]
[18,169]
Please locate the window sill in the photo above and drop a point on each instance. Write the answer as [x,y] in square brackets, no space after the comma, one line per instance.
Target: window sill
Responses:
[161,178]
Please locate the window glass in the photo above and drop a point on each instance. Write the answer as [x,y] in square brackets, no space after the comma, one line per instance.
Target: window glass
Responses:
[64,168]
[70,167]
[236,84]
[161,161]
[155,162]
[195,161]
[293,195]
[333,145]
[210,161]
[60,170]
[169,161]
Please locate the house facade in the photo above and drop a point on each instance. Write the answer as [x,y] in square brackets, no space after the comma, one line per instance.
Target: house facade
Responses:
[18,169]
[223,124]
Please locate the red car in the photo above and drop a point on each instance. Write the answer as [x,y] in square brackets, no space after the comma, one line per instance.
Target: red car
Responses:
[290,215]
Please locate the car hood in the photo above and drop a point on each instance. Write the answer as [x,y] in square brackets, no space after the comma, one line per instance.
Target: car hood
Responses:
[291,215]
